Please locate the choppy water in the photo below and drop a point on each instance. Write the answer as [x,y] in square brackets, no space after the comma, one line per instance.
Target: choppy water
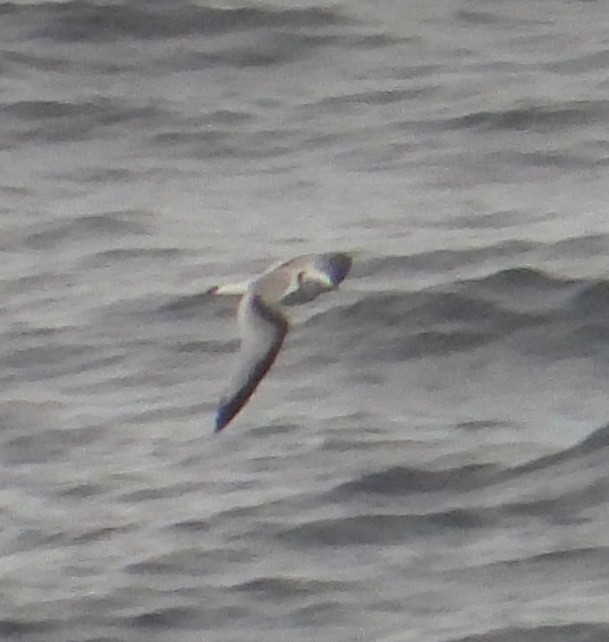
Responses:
[427,460]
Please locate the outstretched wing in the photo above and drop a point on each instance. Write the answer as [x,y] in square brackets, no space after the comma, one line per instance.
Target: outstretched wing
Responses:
[263,329]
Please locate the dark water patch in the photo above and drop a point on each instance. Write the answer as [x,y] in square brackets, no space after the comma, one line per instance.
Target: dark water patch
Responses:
[82,491]
[589,340]
[224,117]
[40,362]
[41,281]
[482,425]
[13,628]
[378,97]
[562,317]
[445,260]
[42,109]
[103,175]
[500,220]
[37,335]
[44,355]
[524,290]
[361,41]
[524,277]
[46,444]
[273,430]
[421,310]
[576,632]
[193,525]
[575,556]
[265,49]
[324,613]
[19,191]
[552,568]
[102,534]
[187,618]
[232,144]
[542,314]
[477,17]
[439,343]
[33,539]
[270,49]
[161,492]
[80,20]
[205,347]
[535,118]
[401,480]
[191,562]
[597,442]
[176,617]
[592,300]
[216,141]
[584,482]
[211,121]
[413,325]
[286,588]
[578,247]
[120,256]
[546,159]
[151,311]
[566,509]
[564,504]
[33,60]
[598,60]
[106,226]
[55,121]
[385,529]
[193,305]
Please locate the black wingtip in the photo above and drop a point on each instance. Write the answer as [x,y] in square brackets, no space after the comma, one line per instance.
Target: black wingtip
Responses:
[222,419]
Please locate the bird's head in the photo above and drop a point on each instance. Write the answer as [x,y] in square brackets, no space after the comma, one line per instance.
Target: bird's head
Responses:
[331,269]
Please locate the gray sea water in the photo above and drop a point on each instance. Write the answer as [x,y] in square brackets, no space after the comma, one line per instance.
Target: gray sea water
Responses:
[427,460]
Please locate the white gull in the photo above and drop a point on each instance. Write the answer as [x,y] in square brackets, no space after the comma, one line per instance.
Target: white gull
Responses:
[263,325]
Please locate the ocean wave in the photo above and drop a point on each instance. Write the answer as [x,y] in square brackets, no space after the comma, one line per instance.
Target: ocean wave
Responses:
[402,480]
[385,528]
[584,632]
[597,442]
[411,326]
[522,492]
[60,121]
[534,311]
[80,20]
[107,225]
[446,259]
[537,118]
[12,627]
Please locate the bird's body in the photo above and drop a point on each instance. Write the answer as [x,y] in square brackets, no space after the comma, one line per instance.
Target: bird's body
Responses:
[263,325]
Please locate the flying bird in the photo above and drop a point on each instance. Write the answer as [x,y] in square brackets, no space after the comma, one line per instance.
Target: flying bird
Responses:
[263,324]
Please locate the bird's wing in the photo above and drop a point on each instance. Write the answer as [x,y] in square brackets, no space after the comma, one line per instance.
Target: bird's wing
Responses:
[263,329]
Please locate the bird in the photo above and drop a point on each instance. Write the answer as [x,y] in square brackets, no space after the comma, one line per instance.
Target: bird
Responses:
[263,324]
